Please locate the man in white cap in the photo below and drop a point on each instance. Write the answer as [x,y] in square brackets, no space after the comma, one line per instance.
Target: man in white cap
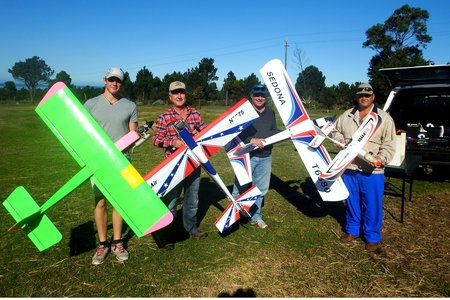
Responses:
[365,181]
[166,137]
[117,116]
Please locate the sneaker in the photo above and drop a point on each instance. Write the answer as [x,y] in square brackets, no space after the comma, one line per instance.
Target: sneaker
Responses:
[199,235]
[169,246]
[260,224]
[119,251]
[100,256]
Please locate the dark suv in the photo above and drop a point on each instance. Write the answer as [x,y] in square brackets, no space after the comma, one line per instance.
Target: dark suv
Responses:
[419,103]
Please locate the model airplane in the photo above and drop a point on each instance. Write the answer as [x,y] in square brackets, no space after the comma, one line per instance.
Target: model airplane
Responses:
[241,205]
[100,160]
[196,152]
[300,129]
[354,148]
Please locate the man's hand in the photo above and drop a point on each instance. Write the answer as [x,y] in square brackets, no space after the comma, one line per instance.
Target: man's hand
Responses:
[258,142]
[340,145]
[177,143]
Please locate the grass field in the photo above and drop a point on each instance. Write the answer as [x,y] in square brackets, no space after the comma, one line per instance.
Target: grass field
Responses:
[298,256]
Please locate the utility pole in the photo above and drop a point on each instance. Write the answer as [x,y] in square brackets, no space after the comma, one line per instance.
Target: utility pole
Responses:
[285,53]
[226,97]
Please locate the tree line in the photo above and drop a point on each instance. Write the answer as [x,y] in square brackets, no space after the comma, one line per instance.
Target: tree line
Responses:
[398,42]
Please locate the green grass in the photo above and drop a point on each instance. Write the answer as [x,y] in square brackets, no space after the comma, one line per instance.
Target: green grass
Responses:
[299,256]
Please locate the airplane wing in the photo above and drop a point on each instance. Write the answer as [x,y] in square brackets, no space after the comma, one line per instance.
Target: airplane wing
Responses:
[301,129]
[100,160]
[175,168]
[341,161]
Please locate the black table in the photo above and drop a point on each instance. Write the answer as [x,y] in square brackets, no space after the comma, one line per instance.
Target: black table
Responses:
[405,173]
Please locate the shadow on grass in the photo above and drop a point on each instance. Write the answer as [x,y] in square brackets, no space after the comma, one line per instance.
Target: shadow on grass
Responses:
[174,233]
[309,202]
[240,293]
[210,195]
[82,239]
[166,237]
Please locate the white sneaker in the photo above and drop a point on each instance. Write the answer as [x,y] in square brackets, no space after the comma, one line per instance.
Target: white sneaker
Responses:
[100,255]
[119,251]
[260,224]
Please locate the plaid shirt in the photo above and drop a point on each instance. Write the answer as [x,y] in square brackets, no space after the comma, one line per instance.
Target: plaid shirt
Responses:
[165,134]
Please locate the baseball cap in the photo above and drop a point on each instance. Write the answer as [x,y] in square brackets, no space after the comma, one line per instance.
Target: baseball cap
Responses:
[114,72]
[259,90]
[177,85]
[364,88]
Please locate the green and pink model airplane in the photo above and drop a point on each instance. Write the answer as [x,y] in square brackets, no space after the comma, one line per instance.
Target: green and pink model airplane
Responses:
[100,160]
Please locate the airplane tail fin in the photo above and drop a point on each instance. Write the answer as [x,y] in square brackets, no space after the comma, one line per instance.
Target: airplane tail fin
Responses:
[240,162]
[27,213]
[231,213]
[322,133]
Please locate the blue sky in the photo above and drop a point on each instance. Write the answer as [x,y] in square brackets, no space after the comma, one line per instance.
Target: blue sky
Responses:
[84,38]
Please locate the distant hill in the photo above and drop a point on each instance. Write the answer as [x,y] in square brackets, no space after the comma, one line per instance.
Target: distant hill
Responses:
[21,85]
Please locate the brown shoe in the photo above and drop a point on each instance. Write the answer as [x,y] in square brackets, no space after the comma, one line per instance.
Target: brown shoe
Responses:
[347,238]
[199,235]
[372,247]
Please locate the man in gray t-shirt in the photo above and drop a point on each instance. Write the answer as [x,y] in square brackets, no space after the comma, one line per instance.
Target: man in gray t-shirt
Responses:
[114,119]
[117,116]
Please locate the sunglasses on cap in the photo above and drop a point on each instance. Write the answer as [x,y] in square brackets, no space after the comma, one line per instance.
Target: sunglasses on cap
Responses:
[365,89]
[259,95]
[114,79]
[259,89]
[178,91]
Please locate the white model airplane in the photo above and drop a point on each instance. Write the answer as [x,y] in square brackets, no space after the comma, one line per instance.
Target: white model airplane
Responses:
[196,151]
[300,129]
[354,148]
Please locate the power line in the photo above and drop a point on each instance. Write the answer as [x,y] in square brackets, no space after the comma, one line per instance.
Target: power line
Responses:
[285,53]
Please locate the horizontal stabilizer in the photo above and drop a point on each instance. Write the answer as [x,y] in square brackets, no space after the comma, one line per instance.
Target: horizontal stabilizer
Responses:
[26,212]
[322,133]
[321,122]
[231,213]
[127,140]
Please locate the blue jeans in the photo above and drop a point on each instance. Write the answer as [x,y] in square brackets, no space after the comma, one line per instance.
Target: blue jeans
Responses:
[261,171]
[190,203]
[364,206]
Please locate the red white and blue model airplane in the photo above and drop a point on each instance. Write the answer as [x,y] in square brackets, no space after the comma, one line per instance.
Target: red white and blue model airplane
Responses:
[196,152]
[300,129]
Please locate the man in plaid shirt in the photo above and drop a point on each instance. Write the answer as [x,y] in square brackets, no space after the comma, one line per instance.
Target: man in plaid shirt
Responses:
[166,137]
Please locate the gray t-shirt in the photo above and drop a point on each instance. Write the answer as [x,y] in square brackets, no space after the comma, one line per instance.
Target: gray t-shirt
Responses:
[113,118]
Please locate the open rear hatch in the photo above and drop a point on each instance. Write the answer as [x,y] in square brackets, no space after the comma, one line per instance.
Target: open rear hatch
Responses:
[420,105]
